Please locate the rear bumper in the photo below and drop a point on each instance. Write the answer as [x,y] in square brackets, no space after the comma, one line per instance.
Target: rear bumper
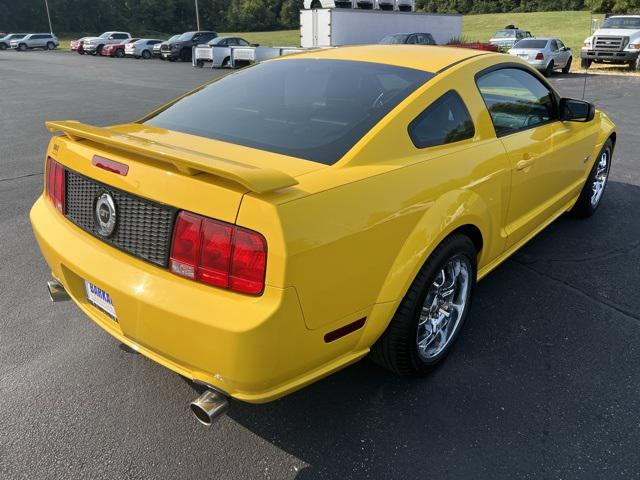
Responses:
[255,349]
[614,57]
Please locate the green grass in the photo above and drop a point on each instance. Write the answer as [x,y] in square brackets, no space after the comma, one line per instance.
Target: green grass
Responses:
[571,27]
[282,38]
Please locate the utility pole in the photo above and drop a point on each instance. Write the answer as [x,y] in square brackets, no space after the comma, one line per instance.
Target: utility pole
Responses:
[197,16]
[46,4]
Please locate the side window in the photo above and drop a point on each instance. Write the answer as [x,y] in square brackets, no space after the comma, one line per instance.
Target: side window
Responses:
[516,100]
[554,46]
[243,42]
[120,36]
[446,120]
[412,39]
[232,41]
[560,44]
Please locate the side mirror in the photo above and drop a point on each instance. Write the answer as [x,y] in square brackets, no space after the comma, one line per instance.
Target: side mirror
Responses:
[576,110]
[255,44]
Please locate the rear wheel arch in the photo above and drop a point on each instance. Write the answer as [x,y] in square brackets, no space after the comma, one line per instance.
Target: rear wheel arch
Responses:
[474,221]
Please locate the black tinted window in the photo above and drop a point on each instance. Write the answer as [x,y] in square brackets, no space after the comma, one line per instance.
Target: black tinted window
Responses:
[307,108]
[516,100]
[446,120]
[119,36]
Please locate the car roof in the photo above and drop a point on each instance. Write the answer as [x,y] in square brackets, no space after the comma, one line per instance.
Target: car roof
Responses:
[420,57]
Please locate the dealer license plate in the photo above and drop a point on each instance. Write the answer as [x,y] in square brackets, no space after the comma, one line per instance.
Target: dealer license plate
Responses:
[100,299]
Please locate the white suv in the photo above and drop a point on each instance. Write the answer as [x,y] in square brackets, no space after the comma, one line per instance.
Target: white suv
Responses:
[46,41]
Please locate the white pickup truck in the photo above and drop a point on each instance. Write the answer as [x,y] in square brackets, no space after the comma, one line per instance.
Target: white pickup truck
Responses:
[94,45]
[617,41]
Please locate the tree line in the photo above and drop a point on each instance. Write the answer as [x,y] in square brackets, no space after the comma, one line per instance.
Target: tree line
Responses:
[168,16]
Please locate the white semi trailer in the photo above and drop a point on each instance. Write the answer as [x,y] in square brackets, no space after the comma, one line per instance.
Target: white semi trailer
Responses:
[402,5]
[332,27]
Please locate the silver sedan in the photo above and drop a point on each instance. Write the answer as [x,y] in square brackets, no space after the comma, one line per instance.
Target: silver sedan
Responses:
[545,54]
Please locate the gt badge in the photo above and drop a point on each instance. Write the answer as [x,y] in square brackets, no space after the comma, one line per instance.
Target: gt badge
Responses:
[105,215]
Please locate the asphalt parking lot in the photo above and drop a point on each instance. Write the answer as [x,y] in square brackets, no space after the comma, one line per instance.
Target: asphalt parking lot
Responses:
[544,382]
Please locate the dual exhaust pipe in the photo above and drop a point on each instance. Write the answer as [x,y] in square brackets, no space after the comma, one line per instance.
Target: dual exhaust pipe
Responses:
[207,408]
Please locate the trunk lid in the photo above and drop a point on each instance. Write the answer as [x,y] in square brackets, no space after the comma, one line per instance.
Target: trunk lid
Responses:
[179,170]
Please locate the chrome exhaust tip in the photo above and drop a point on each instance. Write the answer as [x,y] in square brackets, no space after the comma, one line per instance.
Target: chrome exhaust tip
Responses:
[209,406]
[57,293]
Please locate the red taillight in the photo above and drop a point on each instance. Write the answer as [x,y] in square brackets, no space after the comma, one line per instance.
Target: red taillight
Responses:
[539,56]
[219,254]
[55,183]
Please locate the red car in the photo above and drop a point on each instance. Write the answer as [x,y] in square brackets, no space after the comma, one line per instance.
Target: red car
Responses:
[116,49]
[76,45]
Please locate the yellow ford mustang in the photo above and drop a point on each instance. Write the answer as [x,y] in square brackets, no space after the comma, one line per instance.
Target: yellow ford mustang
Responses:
[284,221]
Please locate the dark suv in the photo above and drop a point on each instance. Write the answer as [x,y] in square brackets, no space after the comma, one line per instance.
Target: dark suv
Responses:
[181,47]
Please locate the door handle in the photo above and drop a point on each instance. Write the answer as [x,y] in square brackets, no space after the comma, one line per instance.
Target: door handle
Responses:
[526,162]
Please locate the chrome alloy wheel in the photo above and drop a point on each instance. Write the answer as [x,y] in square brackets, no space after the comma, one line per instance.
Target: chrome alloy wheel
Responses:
[443,307]
[600,179]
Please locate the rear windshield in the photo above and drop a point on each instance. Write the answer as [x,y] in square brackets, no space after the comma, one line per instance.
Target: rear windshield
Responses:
[505,34]
[394,39]
[315,109]
[531,44]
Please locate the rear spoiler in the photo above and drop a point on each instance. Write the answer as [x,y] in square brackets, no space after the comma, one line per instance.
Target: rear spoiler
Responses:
[188,162]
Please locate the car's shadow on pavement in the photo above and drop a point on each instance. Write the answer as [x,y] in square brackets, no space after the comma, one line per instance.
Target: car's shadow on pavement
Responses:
[541,383]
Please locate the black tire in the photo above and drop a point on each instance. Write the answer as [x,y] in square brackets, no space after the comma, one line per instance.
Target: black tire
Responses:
[51,46]
[171,59]
[549,70]
[567,68]
[22,47]
[146,54]
[199,63]
[99,50]
[635,64]
[226,63]
[397,348]
[3,46]
[185,55]
[585,63]
[584,207]
[81,52]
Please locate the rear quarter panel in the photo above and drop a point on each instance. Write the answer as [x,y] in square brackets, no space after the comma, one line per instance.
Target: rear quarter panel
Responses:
[368,223]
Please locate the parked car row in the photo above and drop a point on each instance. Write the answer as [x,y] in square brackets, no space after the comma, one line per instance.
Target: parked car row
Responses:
[29,41]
